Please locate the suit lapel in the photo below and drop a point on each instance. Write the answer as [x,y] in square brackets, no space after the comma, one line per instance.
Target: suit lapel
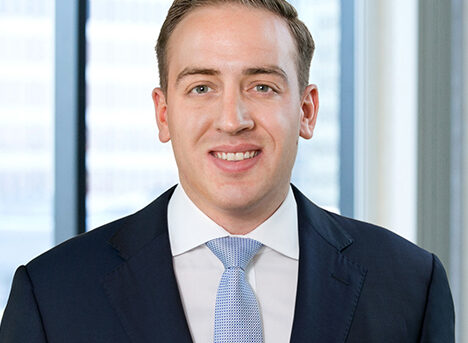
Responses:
[329,284]
[143,289]
[144,292]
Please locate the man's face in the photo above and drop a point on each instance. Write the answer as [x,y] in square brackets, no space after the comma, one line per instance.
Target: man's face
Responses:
[233,109]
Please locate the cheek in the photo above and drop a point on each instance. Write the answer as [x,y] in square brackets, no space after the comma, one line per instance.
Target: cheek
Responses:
[282,125]
[188,124]
[287,135]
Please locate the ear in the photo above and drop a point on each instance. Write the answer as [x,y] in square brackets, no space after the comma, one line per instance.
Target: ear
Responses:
[160,109]
[309,111]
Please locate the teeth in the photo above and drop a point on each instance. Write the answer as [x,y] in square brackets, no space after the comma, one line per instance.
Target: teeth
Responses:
[235,156]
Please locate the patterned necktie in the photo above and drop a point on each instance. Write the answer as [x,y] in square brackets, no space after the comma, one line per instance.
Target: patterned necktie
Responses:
[237,314]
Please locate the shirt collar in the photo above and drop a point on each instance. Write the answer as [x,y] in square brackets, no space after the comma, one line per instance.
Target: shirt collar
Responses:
[189,227]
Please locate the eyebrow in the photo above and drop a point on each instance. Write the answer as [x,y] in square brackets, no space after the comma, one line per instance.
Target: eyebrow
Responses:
[269,70]
[196,71]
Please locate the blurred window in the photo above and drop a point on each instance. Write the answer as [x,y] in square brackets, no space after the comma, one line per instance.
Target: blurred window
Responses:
[127,166]
[316,171]
[26,134]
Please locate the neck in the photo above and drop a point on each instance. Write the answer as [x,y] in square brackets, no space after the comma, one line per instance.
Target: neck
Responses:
[241,221]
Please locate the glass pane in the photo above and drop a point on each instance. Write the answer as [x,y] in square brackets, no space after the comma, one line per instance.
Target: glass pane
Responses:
[316,171]
[26,134]
[127,166]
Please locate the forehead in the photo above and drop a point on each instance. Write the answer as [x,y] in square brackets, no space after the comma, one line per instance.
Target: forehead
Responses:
[230,36]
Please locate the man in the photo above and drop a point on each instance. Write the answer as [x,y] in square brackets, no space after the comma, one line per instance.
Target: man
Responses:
[234,99]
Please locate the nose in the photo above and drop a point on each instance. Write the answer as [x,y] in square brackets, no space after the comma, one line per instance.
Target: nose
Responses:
[233,116]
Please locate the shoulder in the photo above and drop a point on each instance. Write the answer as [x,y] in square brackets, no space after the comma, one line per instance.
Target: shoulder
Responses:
[98,251]
[403,287]
[369,245]
[409,282]
[395,268]
[375,245]
[374,237]
[78,258]
[383,251]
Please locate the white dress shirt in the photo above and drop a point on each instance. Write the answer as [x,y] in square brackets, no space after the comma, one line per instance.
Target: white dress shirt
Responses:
[272,273]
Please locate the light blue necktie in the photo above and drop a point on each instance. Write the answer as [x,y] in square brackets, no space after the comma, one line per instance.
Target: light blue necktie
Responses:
[237,314]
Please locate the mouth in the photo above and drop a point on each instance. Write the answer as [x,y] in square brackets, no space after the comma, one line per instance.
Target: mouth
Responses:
[235,156]
[236,159]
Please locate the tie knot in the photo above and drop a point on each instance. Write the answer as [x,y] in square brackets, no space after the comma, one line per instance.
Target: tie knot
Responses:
[234,251]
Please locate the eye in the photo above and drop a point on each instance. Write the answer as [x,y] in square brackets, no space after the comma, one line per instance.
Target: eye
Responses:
[201,89]
[263,88]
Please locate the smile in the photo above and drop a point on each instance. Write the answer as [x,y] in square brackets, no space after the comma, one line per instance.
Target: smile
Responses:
[235,156]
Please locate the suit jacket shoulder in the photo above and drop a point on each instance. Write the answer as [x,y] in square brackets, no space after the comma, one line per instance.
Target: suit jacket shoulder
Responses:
[104,247]
[112,284]
[396,290]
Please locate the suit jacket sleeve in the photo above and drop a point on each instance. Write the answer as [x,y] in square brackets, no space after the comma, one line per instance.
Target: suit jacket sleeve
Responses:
[22,321]
[439,318]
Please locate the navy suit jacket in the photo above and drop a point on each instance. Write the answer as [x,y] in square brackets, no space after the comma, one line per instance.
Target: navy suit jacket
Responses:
[357,283]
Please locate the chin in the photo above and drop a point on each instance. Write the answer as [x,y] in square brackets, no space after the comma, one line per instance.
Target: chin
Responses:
[239,199]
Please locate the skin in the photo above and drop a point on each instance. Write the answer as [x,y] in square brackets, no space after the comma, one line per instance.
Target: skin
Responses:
[233,87]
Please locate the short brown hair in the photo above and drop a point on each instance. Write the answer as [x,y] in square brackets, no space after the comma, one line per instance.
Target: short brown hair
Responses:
[180,8]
